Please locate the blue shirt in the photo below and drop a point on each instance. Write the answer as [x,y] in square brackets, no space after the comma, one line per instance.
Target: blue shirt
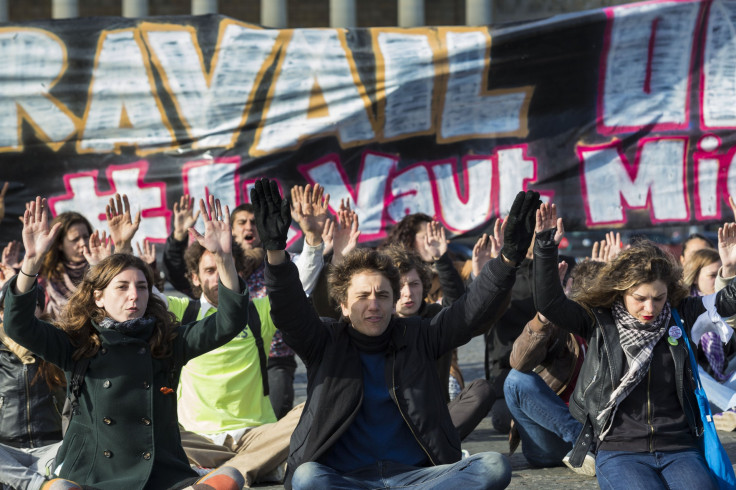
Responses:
[378,432]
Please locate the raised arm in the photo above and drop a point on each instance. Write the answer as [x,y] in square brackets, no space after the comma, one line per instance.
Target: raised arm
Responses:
[290,309]
[218,240]
[455,325]
[451,283]
[174,266]
[20,323]
[122,225]
[549,297]
[310,210]
[37,240]
[725,300]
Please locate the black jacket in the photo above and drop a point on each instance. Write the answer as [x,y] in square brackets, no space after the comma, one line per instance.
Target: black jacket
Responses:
[174,266]
[605,365]
[30,414]
[334,372]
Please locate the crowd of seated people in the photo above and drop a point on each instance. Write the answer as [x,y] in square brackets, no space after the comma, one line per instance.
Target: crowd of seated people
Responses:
[136,382]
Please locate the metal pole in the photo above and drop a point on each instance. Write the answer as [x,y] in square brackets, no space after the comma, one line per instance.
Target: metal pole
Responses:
[411,13]
[342,13]
[4,11]
[478,12]
[64,9]
[274,13]
[135,8]
[202,7]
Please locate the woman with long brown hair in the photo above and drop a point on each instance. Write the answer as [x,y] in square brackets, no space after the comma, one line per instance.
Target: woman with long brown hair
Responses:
[635,394]
[64,265]
[124,433]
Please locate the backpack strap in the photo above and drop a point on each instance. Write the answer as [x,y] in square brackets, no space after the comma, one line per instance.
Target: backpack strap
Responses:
[71,406]
[191,312]
[254,323]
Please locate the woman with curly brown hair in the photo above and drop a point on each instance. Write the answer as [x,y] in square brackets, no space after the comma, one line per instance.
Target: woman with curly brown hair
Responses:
[635,394]
[124,432]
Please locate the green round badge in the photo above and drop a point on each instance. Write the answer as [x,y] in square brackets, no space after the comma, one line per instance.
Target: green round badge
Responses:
[672,341]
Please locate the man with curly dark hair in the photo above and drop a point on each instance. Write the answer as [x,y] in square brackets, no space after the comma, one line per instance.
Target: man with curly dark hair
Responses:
[374,409]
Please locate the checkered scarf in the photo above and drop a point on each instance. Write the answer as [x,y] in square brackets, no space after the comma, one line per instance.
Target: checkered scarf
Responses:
[637,341]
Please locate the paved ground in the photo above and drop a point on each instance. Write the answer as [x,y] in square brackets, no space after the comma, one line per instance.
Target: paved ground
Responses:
[484,438]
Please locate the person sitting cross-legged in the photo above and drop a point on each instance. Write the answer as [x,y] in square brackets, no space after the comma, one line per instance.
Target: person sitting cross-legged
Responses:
[375,410]
[474,402]
[230,421]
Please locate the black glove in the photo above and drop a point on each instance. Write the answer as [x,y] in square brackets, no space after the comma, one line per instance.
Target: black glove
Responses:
[520,226]
[273,215]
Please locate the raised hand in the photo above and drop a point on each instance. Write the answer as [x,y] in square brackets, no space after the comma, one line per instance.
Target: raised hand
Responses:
[328,236]
[11,255]
[122,225]
[499,228]
[99,247]
[547,220]
[310,210]
[217,238]
[37,237]
[615,245]
[184,216]
[272,212]
[600,251]
[346,235]
[520,226]
[727,248]
[561,271]
[435,240]
[147,253]
[482,253]
[5,274]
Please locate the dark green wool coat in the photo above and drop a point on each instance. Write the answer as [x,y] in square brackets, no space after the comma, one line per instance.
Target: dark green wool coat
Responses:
[126,435]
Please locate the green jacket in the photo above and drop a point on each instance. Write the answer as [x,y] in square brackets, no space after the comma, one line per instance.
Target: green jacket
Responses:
[126,435]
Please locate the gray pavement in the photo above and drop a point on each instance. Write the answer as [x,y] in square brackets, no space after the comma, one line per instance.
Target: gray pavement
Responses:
[484,438]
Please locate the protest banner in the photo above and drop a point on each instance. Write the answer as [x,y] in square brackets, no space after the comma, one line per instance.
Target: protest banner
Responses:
[624,116]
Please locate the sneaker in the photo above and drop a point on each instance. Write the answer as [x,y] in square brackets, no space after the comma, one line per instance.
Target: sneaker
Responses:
[588,467]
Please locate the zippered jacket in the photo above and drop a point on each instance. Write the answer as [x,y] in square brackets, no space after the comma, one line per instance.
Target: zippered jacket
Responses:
[661,413]
[30,414]
[334,372]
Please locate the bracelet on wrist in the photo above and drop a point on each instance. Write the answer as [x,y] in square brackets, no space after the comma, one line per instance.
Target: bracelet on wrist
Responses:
[28,275]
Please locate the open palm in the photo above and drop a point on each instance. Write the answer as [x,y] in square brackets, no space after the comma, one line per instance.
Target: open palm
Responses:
[37,237]
[217,237]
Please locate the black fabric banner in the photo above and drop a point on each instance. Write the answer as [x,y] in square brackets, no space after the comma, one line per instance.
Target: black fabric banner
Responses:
[624,116]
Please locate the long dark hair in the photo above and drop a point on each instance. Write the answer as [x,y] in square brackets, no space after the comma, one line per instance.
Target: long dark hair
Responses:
[53,267]
[81,310]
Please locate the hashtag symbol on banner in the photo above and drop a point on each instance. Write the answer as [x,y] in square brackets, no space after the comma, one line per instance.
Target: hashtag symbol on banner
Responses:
[83,196]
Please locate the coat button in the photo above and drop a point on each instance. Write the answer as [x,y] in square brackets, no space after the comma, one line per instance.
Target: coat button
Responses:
[106,384]
[146,385]
[107,420]
[142,350]
[146,455]
[103,351]
[108,454]
[145,421]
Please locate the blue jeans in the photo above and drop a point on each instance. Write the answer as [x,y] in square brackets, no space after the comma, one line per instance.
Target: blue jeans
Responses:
[546,428]
[480,471]
[673,470]
[27,468]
